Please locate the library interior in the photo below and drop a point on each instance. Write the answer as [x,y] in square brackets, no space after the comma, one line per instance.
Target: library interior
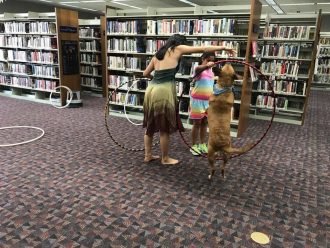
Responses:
[164,123]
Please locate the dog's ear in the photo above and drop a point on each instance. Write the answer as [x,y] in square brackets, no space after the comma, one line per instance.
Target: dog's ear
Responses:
[216,71]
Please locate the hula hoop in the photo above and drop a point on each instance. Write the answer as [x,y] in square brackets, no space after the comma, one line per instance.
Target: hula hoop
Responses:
[24,142]
[271,120]
[106,113]
[136,124]
[70,93]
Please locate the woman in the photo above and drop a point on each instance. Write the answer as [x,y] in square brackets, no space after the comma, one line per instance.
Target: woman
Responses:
[160,101]
[199,102]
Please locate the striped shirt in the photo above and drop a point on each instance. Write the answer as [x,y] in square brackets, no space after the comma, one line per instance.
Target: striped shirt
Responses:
[203,86]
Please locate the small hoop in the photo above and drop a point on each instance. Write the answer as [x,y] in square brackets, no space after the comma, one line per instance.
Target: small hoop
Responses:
[70,93]
[24,142]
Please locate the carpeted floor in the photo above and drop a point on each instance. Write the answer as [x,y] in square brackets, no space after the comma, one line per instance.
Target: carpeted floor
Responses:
[75,188]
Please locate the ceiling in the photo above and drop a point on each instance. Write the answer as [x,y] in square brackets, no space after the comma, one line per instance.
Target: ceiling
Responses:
[288,6]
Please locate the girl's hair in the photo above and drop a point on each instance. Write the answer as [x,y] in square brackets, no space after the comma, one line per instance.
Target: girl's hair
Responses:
[206,55]
[172,42]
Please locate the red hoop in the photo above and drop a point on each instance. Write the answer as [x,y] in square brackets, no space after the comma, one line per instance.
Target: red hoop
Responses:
[271,120]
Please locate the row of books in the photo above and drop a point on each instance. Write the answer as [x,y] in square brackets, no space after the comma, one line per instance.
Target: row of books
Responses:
[324,51]
[277,67]
[282,103]
[28,42]
[36,70]
[124,63]
[90,58]
[282,86]
[90,45]
[90,81]
[96,71]
[131,99]
[281,50]
[224,26]
[28,82]
[124,27]
[28,56]
[129,45]
[30,27]
[287,32]
[117,80]
[89,32]
[323,68]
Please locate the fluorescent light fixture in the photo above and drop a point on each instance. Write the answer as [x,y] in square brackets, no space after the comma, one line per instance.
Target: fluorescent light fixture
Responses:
[89,9]
[278,9]
[296,4]
[271,2]
[47,1]
[323,3]
[93,1]
[124,4]
[188,2]
[69,2]
[212,11]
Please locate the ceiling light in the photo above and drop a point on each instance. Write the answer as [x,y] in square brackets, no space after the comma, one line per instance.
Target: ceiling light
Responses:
[188,2]
[124,4]
[89,9]
[212,11]
[322,3]
[271,2]
[93,1]
[69,2]
[294,4]
[278,9]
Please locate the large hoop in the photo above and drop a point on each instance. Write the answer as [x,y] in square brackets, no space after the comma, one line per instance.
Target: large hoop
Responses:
[271,120]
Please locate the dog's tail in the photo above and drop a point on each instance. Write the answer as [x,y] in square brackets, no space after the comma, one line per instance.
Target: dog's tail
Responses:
[236,150]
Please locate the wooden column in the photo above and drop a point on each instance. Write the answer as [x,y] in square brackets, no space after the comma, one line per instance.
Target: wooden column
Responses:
[253,32]
[68,19]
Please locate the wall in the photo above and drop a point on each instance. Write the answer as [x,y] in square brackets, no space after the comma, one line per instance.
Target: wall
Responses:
[23,6]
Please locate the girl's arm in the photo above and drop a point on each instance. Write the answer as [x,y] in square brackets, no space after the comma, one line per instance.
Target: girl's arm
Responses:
[200,68]
[149,69]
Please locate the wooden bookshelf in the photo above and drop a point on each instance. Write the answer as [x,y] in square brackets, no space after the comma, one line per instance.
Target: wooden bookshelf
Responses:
[287,56]
[91,36]
[133,39]
[322,63]
[31,58]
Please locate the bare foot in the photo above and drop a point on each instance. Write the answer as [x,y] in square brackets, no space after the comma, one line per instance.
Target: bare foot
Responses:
[150,158]
[170,161]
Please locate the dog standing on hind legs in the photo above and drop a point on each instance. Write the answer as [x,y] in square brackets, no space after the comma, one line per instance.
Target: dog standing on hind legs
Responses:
[219,117]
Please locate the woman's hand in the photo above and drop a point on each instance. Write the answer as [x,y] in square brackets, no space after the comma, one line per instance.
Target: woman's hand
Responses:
[230,52]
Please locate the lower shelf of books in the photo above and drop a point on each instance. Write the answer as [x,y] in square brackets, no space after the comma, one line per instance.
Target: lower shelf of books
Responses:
[25,93]
[284,116]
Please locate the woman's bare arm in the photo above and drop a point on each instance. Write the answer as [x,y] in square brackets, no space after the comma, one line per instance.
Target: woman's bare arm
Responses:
[149,69]
[183,49]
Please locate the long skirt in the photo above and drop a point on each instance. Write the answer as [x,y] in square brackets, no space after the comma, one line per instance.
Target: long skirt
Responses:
[160,109]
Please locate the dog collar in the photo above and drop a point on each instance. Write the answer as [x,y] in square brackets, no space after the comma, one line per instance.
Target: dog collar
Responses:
[218,91]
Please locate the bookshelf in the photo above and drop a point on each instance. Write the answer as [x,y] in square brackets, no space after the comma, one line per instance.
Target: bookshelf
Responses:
[287,56]
[92,50]
[132,40]
[31,59]
[322,63]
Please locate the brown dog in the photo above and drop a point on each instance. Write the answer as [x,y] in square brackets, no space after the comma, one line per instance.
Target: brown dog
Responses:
[219,117]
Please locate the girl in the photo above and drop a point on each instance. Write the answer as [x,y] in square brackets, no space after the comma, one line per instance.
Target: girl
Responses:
[199,102]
